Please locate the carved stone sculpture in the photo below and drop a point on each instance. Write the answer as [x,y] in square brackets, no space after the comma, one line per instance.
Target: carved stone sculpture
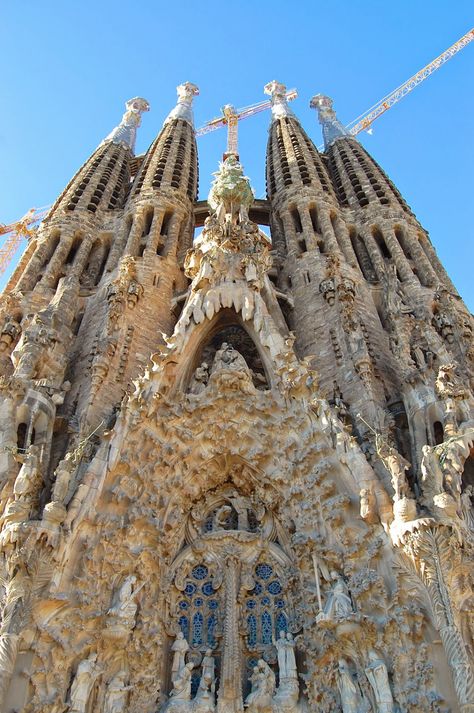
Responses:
[86,674]
[116,694]
[260,697]
[179,648]
[339,603]
[467,508]
[348,690]
[200,379]
[121,615]
[377,674]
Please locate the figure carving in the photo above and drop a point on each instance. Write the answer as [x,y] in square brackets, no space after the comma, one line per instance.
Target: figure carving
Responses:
[181,692]
[86,675]
[377,674]
[260,697]
[180,648]
[121,615]
[28,481]
[338,604]
[116,694]
[351,699]
[368,505]
[466,505]
[229,358]
[200,379]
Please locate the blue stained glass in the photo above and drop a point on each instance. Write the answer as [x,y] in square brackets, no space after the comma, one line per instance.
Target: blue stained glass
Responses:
[265,601]
[213,604]
[267,629]
[198,602]
[264,571]
[183,604]
[258,589]
[274,587]
[200,572]
[207,589]
[251,630]
[281,623]
[190,588]
[184,626]
[195,679]
[279,603]
[211,630]
[251,663]
[251,604]
[197,629]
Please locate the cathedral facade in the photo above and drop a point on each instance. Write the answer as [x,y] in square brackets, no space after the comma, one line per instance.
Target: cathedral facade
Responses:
[236,472]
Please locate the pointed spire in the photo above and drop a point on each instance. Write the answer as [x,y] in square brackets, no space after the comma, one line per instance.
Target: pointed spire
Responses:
[126,132]
[332,127]
[280,106]
[184,109]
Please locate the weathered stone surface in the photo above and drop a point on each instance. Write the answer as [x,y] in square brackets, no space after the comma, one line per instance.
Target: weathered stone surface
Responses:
[234,474]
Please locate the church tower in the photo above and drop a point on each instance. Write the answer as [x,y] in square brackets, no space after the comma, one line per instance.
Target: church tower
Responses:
[236,472]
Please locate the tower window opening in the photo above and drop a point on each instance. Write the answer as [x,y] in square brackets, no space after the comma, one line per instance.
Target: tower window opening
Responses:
[302,245]
[381,244]
[314,219]
[438,432]
[362,255]
[401,237]
[166,223]
[73,250]
[148,221]
[296,220]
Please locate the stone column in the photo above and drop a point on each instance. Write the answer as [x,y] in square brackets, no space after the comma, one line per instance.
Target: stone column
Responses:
[230,689]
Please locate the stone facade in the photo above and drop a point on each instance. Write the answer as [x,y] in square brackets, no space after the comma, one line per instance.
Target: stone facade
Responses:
[235,474]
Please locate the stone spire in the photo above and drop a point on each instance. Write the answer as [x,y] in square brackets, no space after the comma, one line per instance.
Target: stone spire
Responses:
[125,133]
[184,107]
[280,107]
[332,127]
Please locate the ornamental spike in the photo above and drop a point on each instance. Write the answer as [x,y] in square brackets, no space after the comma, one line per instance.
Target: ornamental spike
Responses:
[126,132]
[184,107]
[332,127]
[277,92]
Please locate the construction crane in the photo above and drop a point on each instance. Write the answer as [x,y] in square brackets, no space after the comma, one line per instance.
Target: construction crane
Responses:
[365,120]
[23,228]
[231,117]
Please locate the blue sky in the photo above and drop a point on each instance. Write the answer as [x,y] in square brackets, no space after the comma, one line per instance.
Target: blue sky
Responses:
[69,67]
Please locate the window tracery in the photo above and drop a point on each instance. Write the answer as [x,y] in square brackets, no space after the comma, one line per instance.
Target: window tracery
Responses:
[230,594]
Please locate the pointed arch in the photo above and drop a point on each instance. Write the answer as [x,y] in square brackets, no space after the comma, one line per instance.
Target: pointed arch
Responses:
[208,332]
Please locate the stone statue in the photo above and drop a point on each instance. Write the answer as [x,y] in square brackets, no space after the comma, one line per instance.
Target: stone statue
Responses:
[338,604]
[200,379]
[466,506]
[263,689]
[348,690]
[204,702]
[180,648]
[368,505]
[229,358]
[116,694]
[285,647]
[182,685]
[377,674]
[28,481]
[397,466]
[208,666]
[86,674]
[124,607]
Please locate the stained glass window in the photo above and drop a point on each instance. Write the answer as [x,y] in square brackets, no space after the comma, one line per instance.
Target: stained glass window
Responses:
[267,629]
[184,626]
[200,572]
[197,629]
[264,571]
[252,630]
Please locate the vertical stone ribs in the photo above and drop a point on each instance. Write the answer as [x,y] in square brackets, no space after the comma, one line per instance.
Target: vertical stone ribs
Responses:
[170,162]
